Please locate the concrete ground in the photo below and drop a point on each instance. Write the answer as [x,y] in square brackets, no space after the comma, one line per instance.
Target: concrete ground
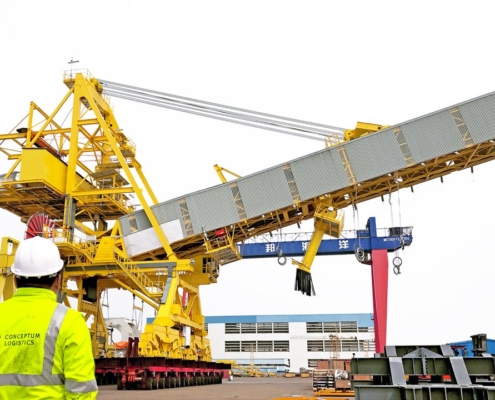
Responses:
[239,388]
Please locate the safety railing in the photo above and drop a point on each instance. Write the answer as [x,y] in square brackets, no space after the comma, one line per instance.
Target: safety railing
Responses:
[88,248]
[71,74]
[139,278]
[222,248]
[334,139]
[70,77]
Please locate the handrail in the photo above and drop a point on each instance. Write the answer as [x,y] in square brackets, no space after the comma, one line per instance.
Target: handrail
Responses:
[140,278]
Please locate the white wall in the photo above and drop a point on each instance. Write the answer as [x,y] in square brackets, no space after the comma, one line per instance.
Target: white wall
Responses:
[297,338]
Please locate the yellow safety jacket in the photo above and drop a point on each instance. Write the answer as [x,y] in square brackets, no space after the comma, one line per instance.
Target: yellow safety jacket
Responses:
[45,349]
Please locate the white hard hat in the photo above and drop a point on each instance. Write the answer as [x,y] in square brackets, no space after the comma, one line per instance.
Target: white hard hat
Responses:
[37,256]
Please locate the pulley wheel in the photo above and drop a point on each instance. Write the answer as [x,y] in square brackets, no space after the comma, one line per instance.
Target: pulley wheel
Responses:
[39,224]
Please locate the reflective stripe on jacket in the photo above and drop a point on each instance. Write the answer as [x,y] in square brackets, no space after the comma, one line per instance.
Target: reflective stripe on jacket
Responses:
[45,349]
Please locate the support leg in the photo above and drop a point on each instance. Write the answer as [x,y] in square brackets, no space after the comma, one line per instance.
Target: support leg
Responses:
[379,277]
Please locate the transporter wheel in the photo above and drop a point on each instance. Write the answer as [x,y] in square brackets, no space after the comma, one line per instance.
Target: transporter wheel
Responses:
[168,382]
[149,384]
[161,383]
[120,386]
[155,384]
[173,382]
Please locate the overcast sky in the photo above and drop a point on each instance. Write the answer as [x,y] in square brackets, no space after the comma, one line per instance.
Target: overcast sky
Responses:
[329,62]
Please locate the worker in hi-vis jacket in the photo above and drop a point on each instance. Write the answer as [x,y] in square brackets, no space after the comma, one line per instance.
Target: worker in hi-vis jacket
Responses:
[45,347]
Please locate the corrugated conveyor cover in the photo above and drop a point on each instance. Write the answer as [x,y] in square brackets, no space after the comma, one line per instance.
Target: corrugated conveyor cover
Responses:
[400,146]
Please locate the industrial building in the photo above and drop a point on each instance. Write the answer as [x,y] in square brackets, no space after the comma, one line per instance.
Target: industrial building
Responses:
[479,344]
[276,343]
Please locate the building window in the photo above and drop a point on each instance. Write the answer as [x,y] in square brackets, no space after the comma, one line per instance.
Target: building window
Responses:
[260,327]
[331,327]
[349,345]
[248,346]
[133,223]
[314,327]
[313,363]
[232,328]
[264,327]
[348,326]
[265,345]
[280,327]
[367,345]
[315,345]
[249,327]
[336,345]
[232,347]
[281,345]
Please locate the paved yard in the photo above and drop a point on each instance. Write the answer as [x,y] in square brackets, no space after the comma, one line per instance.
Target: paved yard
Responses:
[239,388]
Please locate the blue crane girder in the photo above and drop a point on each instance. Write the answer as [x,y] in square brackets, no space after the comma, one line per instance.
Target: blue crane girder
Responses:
[366,239]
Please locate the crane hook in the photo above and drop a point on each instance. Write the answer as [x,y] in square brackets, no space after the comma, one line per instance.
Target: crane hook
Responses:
[360,254]
[282,260]
[397,261]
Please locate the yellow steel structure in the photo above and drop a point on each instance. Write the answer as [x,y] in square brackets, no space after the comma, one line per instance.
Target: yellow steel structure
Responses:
[362,129]
[82,176]
[8,247]
[326,221]
[220,172]
[82,172]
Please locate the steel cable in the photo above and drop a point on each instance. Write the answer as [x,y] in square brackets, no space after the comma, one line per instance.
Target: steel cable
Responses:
[217,111]
[119,86]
